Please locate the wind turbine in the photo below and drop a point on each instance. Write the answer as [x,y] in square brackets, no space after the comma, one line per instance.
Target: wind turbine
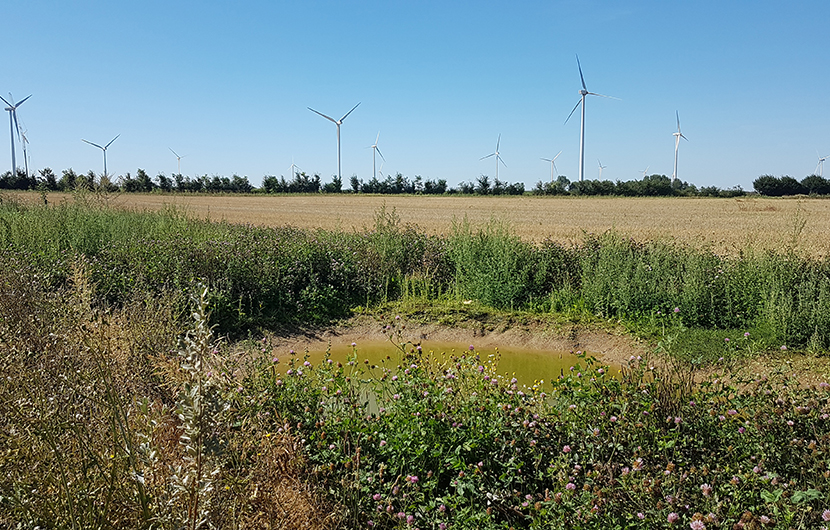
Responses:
[293,169]
[376,149]
[104,149]
[601,167]
[645,171]
[677,136]
[338,123]
[552,164]
[582,93]
[178,158]
[498,157]
[12,109]
[820,165]
[25,142]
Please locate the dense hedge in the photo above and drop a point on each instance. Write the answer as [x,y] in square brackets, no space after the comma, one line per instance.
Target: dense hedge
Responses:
[786,185]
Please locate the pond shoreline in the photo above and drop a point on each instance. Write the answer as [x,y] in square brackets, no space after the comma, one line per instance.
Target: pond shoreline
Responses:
[609,347]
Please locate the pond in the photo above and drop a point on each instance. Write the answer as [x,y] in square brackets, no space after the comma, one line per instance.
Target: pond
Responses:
[527,366]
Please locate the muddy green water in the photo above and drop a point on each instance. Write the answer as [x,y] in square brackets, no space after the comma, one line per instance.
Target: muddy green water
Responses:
[527,366]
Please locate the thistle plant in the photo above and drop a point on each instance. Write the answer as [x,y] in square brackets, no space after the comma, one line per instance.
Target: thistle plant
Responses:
[200,408]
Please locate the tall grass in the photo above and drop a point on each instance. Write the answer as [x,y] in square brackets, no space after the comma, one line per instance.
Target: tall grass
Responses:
[105,423]
[265,277]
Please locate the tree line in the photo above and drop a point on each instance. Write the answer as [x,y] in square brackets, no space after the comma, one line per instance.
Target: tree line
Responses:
[649,186]
[780,186]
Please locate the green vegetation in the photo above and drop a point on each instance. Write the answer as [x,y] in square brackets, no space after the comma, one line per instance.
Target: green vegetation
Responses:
[780,186]
[106,423]
[259,278]
[119,407]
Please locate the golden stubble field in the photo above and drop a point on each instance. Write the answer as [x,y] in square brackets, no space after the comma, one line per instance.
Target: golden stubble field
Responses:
[727,225]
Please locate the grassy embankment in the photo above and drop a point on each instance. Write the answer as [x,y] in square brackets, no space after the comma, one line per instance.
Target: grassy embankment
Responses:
[107,422]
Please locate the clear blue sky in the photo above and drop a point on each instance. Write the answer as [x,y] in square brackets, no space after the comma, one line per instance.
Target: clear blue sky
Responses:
[227,85]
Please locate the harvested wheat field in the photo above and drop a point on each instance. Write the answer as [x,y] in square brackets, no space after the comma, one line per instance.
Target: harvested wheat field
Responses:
[728,225]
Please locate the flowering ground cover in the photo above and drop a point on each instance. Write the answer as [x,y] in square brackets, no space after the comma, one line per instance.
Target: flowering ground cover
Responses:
[448,443]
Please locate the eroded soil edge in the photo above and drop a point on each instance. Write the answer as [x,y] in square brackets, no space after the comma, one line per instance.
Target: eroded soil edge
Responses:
[609,347]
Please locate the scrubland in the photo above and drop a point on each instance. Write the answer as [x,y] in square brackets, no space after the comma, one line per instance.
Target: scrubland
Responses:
[140,388]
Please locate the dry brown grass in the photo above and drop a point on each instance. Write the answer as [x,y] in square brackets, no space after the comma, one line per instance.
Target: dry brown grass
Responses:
[75,376]
[727,225]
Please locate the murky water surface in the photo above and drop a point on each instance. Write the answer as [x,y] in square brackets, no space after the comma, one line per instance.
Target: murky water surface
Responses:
[527,366]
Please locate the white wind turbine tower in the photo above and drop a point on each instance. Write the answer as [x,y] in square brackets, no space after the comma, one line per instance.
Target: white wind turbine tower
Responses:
[178,160]
[338,123]
[582,93]
[677,136]
[497,155]
[820,165]
[12,110]
[552,164]
[104,149]
[601,167]
[25,142]
[376,149]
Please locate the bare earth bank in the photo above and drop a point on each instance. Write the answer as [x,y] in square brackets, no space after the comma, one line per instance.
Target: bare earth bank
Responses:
[608,347]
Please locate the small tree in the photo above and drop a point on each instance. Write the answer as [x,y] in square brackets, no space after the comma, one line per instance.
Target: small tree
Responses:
[335,186]
[768,185]
[816,185]
[483,185]
[164,182]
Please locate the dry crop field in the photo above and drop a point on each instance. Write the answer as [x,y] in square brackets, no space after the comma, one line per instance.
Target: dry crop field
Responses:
[728,225]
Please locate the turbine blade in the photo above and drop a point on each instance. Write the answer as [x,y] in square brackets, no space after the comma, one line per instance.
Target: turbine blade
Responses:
[502,161]
[90,143]
[677,114]
[498,142]
[378,138]
[175,153]
[344,117]
[574,110]
[557,155]
[546,159]
[603,96]
[6,102]
[114,139]
[580,74]
[21,101]
[488,156]
[381,154]
[681,135]
[16,126]
[323,115]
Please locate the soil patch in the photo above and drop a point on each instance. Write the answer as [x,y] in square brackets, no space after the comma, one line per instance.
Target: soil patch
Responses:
[608,346]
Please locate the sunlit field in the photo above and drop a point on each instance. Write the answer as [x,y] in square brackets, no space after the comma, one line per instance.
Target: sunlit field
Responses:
[729,225]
